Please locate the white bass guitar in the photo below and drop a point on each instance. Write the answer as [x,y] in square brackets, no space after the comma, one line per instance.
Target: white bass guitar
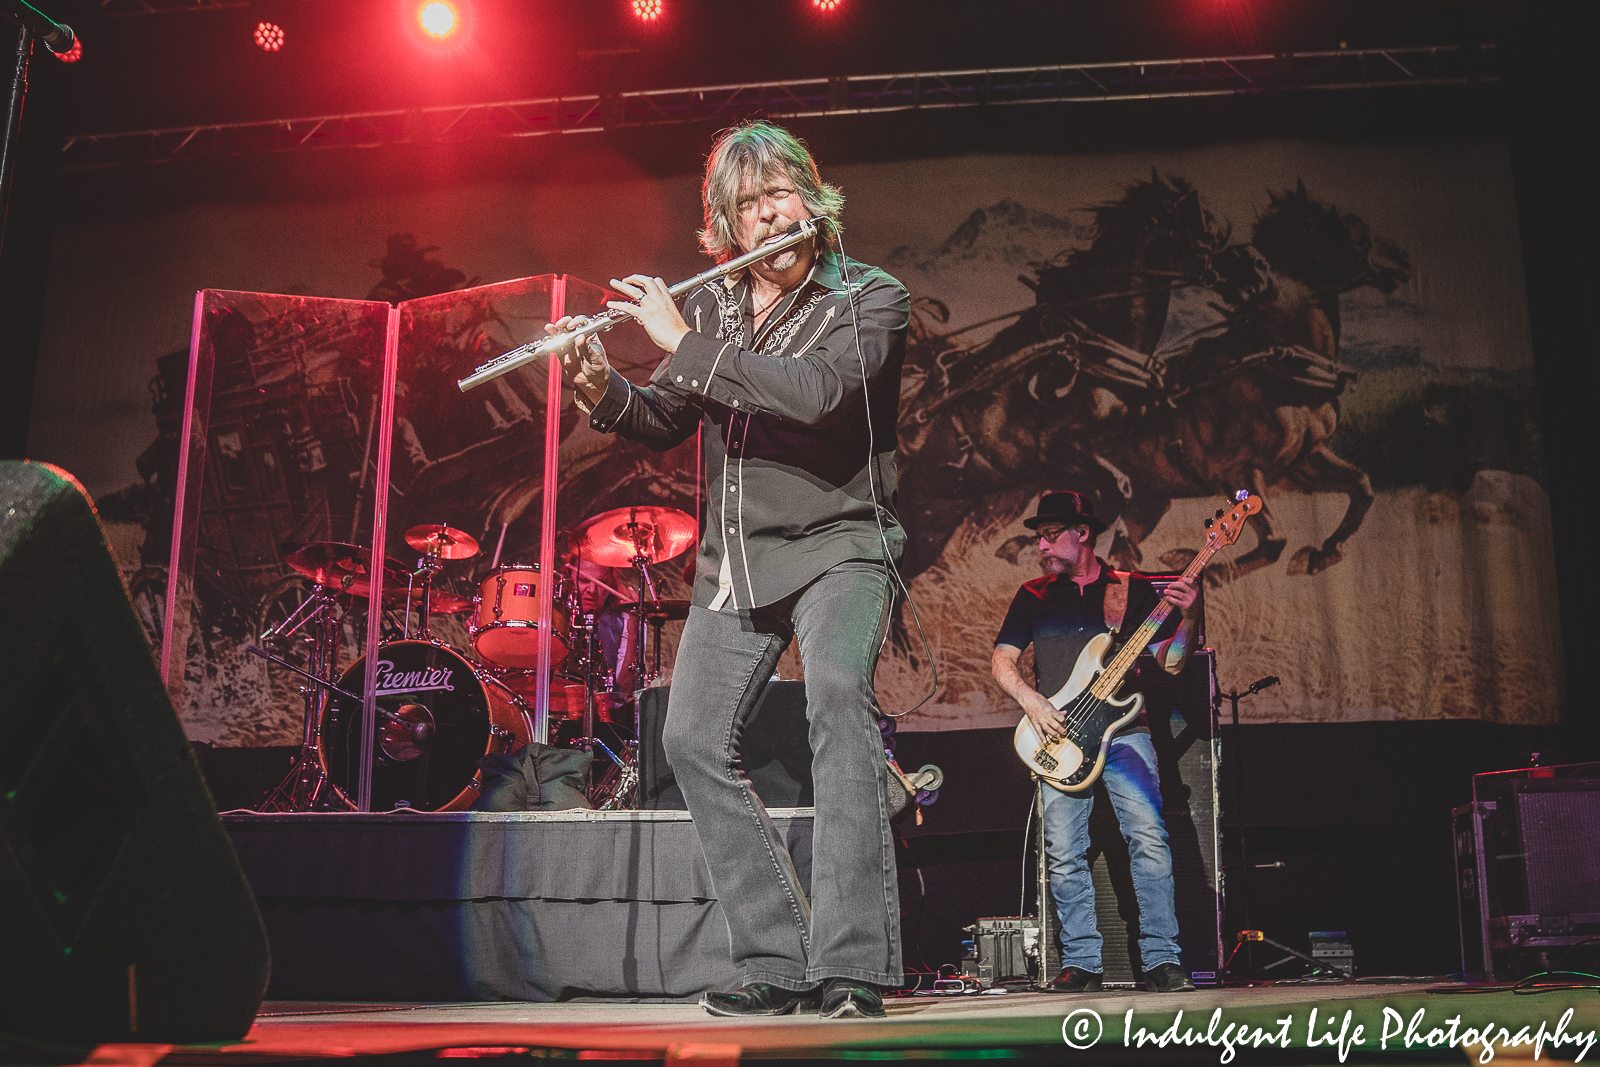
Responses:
[1088,701]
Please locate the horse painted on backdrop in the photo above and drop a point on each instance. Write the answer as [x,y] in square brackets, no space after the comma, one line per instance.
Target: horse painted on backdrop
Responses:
[1254,404]
[983,427]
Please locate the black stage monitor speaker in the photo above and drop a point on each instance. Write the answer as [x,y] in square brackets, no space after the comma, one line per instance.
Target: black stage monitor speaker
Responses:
[126,915]
[774,750]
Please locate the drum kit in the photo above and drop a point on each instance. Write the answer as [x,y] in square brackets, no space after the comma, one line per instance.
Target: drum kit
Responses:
[440,709]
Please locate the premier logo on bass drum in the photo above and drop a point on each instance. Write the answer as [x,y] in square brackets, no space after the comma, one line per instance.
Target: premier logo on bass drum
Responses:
[389,681]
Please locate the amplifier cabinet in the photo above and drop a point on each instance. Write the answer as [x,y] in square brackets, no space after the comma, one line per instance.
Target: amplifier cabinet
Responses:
[1004,948]
[1181,710]
[1527,870]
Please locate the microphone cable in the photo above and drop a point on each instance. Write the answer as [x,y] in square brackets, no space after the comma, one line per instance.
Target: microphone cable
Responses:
[872,481]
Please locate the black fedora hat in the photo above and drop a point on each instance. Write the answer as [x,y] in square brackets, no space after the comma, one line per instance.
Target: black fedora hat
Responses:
[1069,509]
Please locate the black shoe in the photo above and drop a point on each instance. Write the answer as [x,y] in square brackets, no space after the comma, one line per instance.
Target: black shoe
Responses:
[757,999]
[1076,980]
[1167,978]
[845,998]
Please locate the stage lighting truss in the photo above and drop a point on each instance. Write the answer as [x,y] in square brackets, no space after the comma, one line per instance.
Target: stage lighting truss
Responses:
[119,8]
[269,36]
[1377,68]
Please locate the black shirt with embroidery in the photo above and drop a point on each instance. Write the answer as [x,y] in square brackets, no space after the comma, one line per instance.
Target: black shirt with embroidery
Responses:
[792,463]
[1058,618]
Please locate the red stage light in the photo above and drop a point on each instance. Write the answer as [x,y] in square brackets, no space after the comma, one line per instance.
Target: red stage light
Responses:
[269,37]
[647,9]
[73,54]
[437,19]
[825,5]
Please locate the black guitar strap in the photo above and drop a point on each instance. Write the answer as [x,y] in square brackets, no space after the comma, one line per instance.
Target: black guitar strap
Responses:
[1116,602]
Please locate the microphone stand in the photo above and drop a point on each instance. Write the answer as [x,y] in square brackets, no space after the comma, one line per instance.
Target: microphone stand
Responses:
[58,38]
[1233,698]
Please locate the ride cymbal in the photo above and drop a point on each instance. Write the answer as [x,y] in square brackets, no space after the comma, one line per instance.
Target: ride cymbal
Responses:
[615,538]
[444,542]
[343,567]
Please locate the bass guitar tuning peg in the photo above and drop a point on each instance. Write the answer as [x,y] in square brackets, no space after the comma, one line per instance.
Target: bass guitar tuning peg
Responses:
[1221,512]
[1209,522]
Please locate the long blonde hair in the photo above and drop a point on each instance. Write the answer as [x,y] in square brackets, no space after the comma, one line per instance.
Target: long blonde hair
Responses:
[745,154]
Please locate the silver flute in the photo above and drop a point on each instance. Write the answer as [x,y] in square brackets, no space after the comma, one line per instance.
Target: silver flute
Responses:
[523,354]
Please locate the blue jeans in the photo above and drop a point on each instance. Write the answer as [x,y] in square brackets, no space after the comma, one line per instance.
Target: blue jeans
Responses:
[1135,791]
[850,926]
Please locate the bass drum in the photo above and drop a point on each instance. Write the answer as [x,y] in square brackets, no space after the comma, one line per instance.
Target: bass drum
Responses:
[437,717]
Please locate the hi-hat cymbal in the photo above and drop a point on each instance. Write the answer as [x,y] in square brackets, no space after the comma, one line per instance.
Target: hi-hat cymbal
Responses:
[439,603]
[614,538]
[343,567]
[443,603]
[445,542]
[659,611]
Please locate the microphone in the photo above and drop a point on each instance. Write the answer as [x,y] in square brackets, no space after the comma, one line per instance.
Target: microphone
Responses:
[57,36]
[1263,683]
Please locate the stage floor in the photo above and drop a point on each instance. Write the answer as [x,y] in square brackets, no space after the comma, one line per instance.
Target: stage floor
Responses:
[1015,1025]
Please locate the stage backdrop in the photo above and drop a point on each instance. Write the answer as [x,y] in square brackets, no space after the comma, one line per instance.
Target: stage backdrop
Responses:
[1340,328]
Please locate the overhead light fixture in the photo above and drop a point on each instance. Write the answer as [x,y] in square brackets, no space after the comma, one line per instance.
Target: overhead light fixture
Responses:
[73,54]
[269,36]
[649,10]
[438,19]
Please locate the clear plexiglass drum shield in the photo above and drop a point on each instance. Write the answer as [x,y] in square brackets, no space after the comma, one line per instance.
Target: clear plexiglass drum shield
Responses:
[302,432]
[266,443]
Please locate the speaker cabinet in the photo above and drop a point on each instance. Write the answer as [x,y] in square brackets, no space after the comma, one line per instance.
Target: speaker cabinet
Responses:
[1528,870]
[1181,710]
[774,749]
[126,915]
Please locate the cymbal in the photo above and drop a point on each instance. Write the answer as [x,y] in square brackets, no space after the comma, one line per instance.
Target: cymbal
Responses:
[443,603]
[614,538]
[659,611]
[440,603]
[332,564]
[445,542]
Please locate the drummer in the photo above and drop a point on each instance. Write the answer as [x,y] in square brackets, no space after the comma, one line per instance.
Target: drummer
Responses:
[603,593]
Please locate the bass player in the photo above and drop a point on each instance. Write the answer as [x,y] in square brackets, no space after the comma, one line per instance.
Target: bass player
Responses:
[1078,597]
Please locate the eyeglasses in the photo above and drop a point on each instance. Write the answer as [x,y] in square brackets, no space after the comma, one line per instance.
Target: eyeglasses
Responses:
[1049,537]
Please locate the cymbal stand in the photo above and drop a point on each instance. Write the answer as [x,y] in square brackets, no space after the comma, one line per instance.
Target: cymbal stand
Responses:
[647,595]
[429,565]
[307,787]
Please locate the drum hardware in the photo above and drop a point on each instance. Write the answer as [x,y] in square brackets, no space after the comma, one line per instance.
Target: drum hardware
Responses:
[343,567]
[637,537]
[305,787]
[406,732]
[618,789]
[437,544]
[658,613]
[633,537]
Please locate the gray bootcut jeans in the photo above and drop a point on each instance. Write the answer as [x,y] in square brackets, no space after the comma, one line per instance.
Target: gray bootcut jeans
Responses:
[850,926]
